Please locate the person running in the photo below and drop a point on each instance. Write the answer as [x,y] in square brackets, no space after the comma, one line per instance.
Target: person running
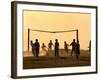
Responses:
[66,47]
[77,50]
[56,48]
[37,47]
[44,48]
[73,44]
[33,48]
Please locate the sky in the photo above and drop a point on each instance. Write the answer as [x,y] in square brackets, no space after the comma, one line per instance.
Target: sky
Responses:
[56,21]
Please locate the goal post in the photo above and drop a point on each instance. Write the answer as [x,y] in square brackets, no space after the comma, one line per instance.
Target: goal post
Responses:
[52,32]
[28,41]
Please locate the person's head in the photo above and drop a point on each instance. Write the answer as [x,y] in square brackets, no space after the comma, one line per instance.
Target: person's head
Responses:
[56,40]
[64,41]
[42,43]
[50,40]
[31,41]
[36,40]
[73,40]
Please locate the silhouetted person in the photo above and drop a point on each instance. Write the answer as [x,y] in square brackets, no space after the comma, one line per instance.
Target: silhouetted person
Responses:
[66,47]
[77,50]
[89,46]
[56,47]
[44,48]
[37,47]
[33,47]
[50,44]
[73,44]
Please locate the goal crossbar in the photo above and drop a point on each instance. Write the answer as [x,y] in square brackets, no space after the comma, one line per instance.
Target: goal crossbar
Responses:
[53,31]
[76,30]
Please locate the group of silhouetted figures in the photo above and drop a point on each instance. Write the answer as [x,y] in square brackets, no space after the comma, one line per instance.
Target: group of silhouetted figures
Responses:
[36,48]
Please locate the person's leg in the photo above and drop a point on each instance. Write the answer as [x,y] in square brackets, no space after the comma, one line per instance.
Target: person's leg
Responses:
[36,53]
[67,51]
[47,52]
[57,52]
[79,55]
[33,52]
[72,51]
[76,56]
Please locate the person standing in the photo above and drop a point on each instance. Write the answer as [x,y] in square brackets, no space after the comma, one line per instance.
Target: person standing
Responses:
[37,47]
[73,44]
[33,48]
[77,50]
[44,48]
[56,48]
[66,47]
[50,44]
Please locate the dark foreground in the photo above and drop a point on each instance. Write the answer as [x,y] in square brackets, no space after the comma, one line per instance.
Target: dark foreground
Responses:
[52,62]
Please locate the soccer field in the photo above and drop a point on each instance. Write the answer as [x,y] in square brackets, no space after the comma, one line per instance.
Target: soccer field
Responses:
[50,61]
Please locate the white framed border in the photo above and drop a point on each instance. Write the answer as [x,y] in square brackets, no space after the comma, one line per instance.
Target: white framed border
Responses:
[49,71]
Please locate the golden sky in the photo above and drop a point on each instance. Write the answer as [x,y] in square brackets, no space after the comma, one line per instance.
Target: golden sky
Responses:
[57,21]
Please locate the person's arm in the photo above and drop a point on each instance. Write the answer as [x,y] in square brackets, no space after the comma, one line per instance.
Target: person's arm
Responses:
[68,45]
[53,45]
[71,44]
[58,45]
[31,44]
[39,45]
[45,46]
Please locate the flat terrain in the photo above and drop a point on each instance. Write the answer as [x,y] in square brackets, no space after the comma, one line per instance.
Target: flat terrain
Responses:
[50,61]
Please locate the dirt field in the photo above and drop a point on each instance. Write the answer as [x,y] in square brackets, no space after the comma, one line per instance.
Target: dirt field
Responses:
[50,61]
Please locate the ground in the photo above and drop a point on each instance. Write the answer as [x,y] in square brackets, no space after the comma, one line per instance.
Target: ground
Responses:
[50,61]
